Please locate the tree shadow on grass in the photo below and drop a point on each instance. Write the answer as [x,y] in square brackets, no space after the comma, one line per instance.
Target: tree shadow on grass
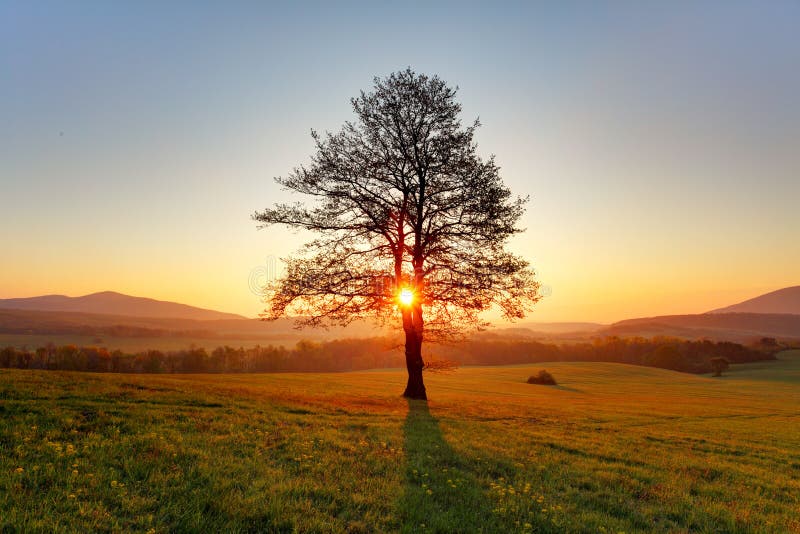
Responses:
[442,492]
[567,388]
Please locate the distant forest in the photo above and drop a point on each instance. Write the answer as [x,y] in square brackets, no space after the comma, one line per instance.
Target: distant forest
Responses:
[382,352]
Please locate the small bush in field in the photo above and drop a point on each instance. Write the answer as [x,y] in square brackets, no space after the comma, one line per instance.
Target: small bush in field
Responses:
[719,365]
[543,378]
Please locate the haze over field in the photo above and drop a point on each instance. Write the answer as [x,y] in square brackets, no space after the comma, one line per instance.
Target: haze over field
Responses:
[119,321]
[136,140]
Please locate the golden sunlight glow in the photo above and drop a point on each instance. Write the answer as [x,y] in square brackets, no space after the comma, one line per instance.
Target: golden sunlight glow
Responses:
[406,297]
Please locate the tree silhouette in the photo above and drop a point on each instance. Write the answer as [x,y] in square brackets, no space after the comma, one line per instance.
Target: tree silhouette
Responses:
[407,217]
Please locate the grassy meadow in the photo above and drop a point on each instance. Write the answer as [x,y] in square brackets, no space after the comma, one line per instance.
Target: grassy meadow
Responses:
[612,448]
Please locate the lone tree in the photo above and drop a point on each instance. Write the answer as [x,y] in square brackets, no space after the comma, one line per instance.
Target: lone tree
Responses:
[408,218]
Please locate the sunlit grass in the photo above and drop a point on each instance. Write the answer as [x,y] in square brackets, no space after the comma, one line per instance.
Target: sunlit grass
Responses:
[611,448]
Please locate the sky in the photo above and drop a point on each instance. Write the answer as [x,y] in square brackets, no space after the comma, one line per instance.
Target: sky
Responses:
[659,143]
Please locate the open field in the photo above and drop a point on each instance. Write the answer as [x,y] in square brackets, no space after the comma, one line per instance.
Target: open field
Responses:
[612,448]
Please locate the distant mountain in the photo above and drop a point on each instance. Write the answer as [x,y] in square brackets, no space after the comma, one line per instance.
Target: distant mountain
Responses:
[111,303]
[740,327]
[112,316]
[560,328]
[786,300]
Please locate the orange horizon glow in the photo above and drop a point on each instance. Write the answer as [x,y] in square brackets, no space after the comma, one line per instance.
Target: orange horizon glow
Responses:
[662,176]
[604,304]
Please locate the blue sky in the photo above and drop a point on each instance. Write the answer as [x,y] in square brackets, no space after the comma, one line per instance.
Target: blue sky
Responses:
[660,143]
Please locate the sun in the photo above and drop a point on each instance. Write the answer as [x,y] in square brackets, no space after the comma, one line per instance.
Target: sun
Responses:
[406,297]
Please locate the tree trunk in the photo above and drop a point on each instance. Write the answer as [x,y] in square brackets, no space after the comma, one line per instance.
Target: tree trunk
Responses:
[415,389]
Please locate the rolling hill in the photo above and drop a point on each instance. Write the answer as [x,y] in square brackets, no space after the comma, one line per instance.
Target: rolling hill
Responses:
[559,327]
[739,327]
[775,314]
[134,322]
[786,300]
[112,303]
[25,328]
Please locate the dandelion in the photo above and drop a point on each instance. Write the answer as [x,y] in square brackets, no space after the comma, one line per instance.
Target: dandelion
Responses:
[74,472]
[19,469]
[429,492]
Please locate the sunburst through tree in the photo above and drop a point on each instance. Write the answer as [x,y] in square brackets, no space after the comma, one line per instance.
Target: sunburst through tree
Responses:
[408,218]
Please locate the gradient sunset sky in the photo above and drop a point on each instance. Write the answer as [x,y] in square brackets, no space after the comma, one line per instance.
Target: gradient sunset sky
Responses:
[660,144]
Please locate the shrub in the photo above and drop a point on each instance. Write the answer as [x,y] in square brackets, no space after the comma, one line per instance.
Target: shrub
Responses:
[543,378]
[718,365]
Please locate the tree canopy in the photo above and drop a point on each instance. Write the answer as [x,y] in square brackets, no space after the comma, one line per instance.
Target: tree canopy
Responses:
[400,200]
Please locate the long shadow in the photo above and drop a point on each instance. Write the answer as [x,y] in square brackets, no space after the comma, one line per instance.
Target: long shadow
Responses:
[442,493]
[567,388]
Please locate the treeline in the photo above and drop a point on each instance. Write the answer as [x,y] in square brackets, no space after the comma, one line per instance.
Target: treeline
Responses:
[663,352]
[373,353]
[305,356]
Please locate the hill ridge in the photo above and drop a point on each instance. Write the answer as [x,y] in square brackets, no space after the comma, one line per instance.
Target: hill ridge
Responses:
[783,301]
[115,303]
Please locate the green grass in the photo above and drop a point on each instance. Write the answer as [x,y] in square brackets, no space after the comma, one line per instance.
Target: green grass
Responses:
[612,448]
